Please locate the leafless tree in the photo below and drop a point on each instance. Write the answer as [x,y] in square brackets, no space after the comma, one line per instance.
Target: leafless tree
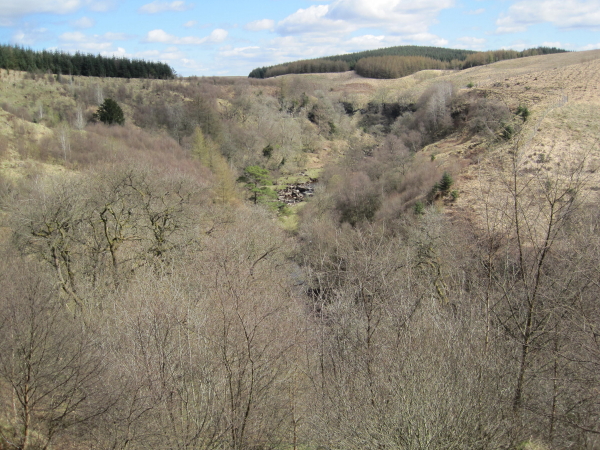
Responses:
[48,361]
[79,121]
[62,135]
[400,361]
[536,281]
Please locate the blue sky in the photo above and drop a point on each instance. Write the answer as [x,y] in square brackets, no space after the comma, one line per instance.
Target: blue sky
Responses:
[232,37]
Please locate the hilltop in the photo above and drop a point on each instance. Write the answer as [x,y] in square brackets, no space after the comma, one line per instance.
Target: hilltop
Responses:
[397,62]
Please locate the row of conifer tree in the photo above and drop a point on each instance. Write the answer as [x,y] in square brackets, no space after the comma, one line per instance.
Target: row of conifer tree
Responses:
[58,62]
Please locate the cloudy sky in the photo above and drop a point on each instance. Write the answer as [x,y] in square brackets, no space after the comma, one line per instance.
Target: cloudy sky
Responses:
[231,37]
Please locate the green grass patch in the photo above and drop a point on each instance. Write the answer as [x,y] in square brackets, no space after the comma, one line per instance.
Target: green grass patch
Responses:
[286,180]
[290,221]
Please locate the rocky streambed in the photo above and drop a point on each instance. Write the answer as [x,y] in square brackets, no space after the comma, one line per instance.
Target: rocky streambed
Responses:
[297,192]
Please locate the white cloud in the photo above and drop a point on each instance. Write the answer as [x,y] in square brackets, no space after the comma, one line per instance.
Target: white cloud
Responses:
[290,48]
[158,7]
[163,37]
[561,13]
[94,47]
[367,41]
[119,53]
[386,11]
[555,44]
[114,36]
[190,23]
[506,25]
[587,47]
[16,8]
[427,38]
[100,5]
[343,16]
[311,20]
[569,46]
[240,52]
[73,36]
[84,22]
[517,45]
[96,43]
[171,56]
[259,25]
[510,29]
[192,66]
[216,36]
[30,36]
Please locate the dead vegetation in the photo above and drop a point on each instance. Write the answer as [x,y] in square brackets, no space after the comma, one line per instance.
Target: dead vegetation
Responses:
[439,289]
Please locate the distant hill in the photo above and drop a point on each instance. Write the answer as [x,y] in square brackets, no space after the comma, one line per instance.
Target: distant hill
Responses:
[27,60]
[437,53]
[395,62]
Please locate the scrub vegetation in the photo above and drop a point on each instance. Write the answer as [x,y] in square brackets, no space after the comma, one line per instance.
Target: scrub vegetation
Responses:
[317,261]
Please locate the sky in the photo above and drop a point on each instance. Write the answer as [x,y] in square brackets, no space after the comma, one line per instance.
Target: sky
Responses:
[232,37]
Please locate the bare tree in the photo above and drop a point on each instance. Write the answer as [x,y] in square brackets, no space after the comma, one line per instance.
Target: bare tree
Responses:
[79,121]
[47,360]
[399,362]
[62,135]
[536,280]
[255,313]
[99,94]
[104,223]
[47,225]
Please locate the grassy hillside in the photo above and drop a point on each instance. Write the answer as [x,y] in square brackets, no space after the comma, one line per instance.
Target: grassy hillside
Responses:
[435,286]
[348,61]
[396,62]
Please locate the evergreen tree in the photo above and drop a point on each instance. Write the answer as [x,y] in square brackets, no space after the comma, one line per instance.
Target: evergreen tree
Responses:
[445,183]
[257,182]
[18,58]
[110,112]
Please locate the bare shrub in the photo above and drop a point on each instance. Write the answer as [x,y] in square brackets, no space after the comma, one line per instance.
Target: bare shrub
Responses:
[433,109]
[399,356]
[412,188]
[110,145]
[356,198]
[212,334]
[487,116]
[48,361]
[20,111]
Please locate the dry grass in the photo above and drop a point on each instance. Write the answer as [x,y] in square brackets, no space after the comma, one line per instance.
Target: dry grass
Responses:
[562,92]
